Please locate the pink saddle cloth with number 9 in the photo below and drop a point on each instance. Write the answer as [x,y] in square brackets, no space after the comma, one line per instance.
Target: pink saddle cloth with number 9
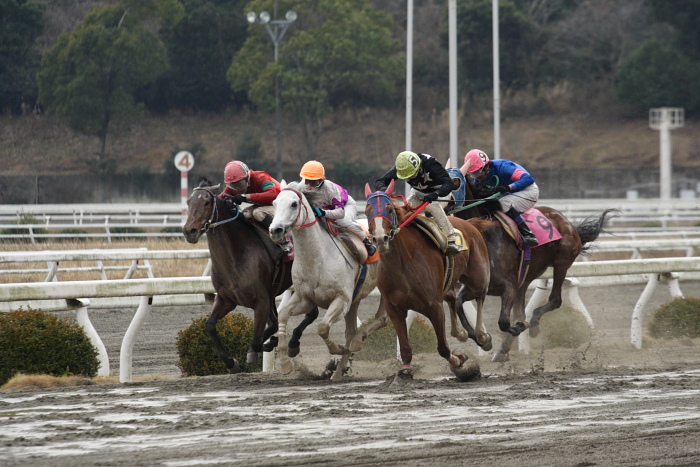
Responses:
[541,227]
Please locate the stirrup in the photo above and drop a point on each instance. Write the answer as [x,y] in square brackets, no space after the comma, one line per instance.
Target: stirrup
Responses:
[286,247]
[371,248]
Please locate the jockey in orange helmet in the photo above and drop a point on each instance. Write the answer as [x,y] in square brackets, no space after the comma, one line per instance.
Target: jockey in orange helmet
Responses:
[333,201]
[255,187]
[505,177]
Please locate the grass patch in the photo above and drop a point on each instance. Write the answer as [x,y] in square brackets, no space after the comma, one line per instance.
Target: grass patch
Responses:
[678,318]
[381,344]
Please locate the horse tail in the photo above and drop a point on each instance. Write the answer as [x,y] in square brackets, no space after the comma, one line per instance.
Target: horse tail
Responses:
[590,228]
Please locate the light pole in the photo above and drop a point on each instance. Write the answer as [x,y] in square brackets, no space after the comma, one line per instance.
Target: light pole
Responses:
[276,29]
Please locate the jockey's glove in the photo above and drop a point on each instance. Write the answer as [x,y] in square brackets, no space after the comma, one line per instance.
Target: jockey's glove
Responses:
[238,199]
[502,189]
[430,197]
[379,186]
[319,212]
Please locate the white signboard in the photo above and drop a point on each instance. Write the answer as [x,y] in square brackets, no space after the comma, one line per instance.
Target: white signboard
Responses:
[184,161]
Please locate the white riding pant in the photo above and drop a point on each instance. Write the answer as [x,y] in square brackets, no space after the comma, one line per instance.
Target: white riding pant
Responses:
[521,200]
[348,221]
[435,209]
[258,212]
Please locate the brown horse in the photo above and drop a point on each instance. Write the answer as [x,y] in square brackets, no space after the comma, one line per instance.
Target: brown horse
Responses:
[505,265]
[414,274]
[245,270]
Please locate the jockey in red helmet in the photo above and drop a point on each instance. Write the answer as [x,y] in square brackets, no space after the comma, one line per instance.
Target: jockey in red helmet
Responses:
[255,187]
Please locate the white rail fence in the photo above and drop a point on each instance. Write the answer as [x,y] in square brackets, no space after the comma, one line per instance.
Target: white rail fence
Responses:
[79,295]
[637,218]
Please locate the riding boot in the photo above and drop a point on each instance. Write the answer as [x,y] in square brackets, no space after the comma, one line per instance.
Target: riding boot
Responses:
[528,237]
[371,249]
[452,247]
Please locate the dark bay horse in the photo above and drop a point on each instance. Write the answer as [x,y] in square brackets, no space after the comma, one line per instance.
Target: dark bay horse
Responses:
[244,270]
[414,274]
[505,265]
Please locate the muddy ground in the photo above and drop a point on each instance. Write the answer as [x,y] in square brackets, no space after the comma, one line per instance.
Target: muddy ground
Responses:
[604,403]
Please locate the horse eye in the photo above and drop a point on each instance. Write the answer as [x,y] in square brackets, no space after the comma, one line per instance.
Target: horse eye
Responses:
[294,204]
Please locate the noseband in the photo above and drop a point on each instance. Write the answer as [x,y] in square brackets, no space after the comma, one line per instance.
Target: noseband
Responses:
[210,224]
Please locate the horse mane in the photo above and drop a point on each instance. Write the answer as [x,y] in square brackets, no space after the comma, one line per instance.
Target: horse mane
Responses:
[205,183]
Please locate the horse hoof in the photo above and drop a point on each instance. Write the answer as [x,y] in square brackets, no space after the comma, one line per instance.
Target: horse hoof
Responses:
[286,367]
[356,345]
[488,345]
[270,345]
[457,360]
[233,366]
[535,330]
[500,357]
[293,351]
[252,357]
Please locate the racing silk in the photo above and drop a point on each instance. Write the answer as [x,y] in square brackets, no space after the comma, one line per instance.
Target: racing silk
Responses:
[509,174]
[332,198]
[262,189]
[431,176]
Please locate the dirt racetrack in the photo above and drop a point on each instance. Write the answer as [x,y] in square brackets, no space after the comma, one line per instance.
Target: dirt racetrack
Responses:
[602,404]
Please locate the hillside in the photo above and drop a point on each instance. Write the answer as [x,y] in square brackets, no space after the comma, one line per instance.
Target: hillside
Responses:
[39,144]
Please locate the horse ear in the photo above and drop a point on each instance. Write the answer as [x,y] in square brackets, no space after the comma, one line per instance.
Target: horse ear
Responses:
[390,188]
[447,164]
[283,184]
[216,188]
[368,190]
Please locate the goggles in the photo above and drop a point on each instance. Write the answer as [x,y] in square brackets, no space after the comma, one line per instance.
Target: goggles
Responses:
[313,183]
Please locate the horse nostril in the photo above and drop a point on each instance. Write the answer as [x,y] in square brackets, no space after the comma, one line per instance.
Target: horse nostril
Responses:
[386,238]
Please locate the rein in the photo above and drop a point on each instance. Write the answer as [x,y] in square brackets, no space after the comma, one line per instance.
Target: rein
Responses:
[381,210]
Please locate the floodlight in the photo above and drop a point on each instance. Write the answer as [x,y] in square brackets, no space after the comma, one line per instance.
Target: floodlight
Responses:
[264,17]
[251,17]
[291,16]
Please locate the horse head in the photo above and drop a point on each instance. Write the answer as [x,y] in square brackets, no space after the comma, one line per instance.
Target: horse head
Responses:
[203,210]
[382,216]
[292,210]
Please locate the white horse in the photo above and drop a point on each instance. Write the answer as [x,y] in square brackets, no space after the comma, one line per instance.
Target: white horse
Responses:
[324,274]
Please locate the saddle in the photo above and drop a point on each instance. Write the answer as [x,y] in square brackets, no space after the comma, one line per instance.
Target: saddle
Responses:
[352,243]
[430,228]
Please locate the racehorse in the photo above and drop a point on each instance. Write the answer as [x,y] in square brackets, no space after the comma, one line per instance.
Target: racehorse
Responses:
[415,274]
[325,275]
[245,269]
[506,279]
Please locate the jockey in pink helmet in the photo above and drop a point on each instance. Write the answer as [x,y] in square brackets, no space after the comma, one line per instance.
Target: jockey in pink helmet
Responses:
[520,192]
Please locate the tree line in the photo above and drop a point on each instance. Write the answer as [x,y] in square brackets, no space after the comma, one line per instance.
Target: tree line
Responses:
[126,57]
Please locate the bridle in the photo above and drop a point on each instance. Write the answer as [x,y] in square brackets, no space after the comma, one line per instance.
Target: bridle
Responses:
[379,201]
[306,211]
[210,224]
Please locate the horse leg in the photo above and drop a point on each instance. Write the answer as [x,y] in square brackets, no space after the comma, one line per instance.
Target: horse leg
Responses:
[398,319]
[553,302]
[261,316]
[294,345]
[380,320]
[483,338]
[461,333]
[437,319]
[220,309]
[519,314]
[508,299]
[295,306]
[337,308]
[269,337]
[350,333]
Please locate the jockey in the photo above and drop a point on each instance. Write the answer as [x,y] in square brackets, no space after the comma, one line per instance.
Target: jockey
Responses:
[332,201]
[505,177]
[255,187]
[429,181]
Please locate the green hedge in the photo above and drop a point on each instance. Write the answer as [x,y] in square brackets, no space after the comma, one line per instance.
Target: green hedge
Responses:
[37,342]
[678,318]
[196,350]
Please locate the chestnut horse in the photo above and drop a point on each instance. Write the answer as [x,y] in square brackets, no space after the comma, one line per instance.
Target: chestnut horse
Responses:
[505,265]
[414,274]
[244,270]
